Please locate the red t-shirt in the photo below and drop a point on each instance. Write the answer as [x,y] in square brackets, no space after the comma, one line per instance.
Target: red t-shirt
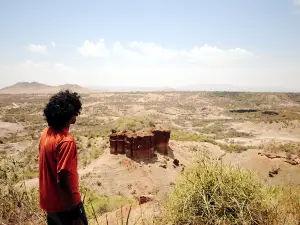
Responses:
[57,151]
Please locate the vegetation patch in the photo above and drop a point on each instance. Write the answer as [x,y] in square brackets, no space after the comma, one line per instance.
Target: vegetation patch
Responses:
[213,193]
[19,205]
[133,123]
[89,149]
[290,148]
[99,204]
[234,147]
[185,136]
[282,115]
[221,130]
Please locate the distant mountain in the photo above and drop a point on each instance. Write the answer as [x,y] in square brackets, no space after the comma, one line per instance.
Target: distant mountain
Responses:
[38,88]
[26,85]
[70,86]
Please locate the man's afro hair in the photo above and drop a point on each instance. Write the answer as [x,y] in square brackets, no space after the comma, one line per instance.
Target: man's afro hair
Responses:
[61,108]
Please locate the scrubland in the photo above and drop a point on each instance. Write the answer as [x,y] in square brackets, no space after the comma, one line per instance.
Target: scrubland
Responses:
[238,153]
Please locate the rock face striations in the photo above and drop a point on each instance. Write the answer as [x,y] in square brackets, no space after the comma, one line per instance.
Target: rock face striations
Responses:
[161,140]
[140,145]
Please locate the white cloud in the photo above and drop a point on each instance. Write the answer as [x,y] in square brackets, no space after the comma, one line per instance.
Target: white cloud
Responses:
[89,49]
[140,63]
[144,52]
[297,2]
[42,49]
[212,54]
[153,50]
[53,44]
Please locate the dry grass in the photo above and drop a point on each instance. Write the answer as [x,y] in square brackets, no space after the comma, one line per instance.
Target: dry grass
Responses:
[89,149]
[212,193]
[96,205]
[186,136]
[133,123]
[19,205]
[276,147]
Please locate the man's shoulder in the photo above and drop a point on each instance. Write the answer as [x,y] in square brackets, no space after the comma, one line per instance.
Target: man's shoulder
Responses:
[43,134]
[56,136]
[68,138]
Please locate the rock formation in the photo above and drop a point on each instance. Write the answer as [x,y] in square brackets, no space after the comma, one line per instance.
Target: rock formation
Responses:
[161,140]
[139,145]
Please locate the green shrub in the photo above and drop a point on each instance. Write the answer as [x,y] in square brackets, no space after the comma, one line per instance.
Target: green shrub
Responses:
[211,193]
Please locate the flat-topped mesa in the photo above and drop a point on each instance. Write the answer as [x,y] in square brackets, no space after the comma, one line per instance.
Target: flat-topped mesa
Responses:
[139,145]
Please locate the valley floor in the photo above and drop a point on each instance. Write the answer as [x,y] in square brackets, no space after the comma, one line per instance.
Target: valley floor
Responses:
[199,121]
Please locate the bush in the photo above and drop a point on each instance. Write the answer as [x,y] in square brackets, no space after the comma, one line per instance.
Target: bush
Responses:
[211,193]
[285,205]
[19,205]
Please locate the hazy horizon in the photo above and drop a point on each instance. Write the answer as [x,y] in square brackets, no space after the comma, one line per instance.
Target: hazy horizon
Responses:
[251,45]
[192,87]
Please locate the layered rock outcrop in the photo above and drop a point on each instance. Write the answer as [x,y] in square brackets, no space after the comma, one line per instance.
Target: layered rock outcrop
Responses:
[140,145]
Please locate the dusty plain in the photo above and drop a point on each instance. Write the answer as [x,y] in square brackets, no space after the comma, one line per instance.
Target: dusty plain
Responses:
[256,131]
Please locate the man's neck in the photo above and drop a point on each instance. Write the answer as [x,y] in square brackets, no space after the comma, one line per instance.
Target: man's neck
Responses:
[66,129]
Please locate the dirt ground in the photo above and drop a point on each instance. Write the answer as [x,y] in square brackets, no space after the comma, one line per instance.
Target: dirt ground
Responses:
[189,115]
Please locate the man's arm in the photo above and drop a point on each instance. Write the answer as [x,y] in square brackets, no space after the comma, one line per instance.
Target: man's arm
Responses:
[66,152]
[66,191]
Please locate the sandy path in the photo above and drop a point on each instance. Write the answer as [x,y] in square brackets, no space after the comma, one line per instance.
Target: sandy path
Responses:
[9,128]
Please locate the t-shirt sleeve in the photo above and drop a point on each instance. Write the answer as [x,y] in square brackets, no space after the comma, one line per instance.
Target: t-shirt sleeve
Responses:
[66,153]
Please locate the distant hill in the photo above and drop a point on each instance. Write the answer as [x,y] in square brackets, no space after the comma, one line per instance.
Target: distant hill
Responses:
[26,85]
[38,88]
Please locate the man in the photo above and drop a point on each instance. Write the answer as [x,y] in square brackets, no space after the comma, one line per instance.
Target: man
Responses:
[58,176]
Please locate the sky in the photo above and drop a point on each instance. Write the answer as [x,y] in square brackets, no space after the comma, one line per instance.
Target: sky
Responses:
[157,43]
